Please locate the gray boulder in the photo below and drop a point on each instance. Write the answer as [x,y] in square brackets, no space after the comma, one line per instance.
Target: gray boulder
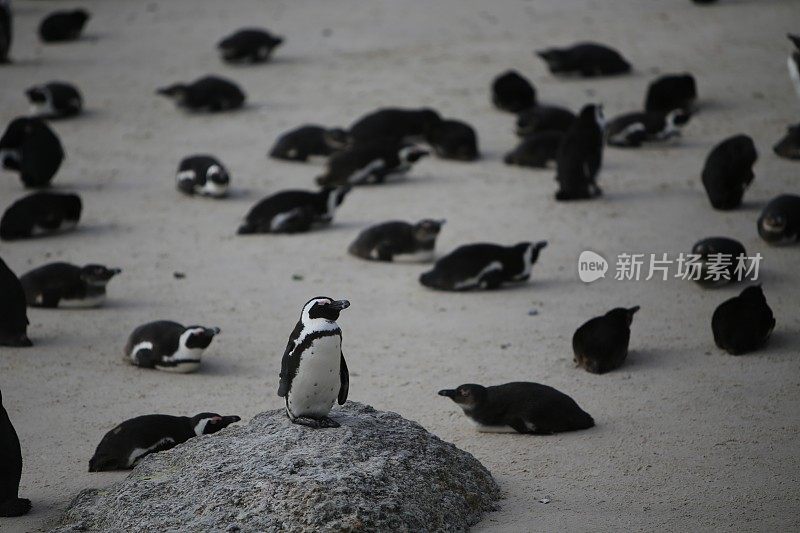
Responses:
[378,472]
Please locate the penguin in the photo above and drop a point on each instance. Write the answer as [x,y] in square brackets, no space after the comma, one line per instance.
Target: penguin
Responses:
[482,266]
[453,139]
[587,59]
[714,250]
[632,129]
[580,156]
[372,162]
[536,150]
[10,468]
[168,346]
[30,147]
[521,407]
[728,171]
[395,239]
[544,118]
[209,93]
[394,124]
[314,373]
[66,285]
[55,99]
[248,45]
[125,445]
[789,146]
[793,62]
[670,92]
[41,213]
[513,92]
[203,175]
[779,222]
[6,33]
[13,312]
[293,211]
[744,323]
[307,141]
[601,344]
[61,26]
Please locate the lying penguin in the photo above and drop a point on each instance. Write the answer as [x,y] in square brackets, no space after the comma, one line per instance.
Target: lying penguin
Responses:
[66,285]
[41,213]
[580,156]
[728,171]
[6,32]
[723,252]
[293,211]
[55,99]
[11,471]
[125,445]
[779,222]
[453,139]
[536,150]
[521,407]
[61,26]
[483,266]
[13,312]
[308,141]
[744,323]
[203,175]
[31,148]
[631,130]
[544,118]
[394,124]
[601,344]
[397,240]
[587,59]
[671,91]
[370,163]
[512,92]
[248,45]
[169,346]
[789,146]
[209,93]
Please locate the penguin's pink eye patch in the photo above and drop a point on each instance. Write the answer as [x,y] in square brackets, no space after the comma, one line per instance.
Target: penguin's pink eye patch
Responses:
[216,419]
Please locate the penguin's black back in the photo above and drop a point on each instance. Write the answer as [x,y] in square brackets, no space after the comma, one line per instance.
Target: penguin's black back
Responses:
[164,334]
[601,344]
[728,171]
[743,323]
[299,143]
[672,91]
[43,209]
[214,93]
[39,147]
[467,261]
[342,165]
[260,216]
[10,467]
[61,278]
[13,309]
[394,124]
[398,233]
[454,139]
[63,25]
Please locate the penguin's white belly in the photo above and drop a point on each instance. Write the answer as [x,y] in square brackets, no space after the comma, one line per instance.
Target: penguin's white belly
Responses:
[183,361]
[316,384]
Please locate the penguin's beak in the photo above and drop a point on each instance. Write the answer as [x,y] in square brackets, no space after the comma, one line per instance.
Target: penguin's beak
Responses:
[633,309]
[450,393]
[339,305]
[115,271]
[230,419]
[213,331]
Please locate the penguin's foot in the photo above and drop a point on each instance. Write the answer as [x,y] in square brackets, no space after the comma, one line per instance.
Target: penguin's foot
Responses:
[316,423]
[326,422]
[16,507]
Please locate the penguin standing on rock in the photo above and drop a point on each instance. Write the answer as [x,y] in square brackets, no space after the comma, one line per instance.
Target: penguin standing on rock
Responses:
[6,33]
[10,468]
[367,163]
[56,99]
[512,92]
[580,156]
[31,148]
[386,241]
[536,150]
[672,91]
[712,251]
[521,407]
[601,344]
[779,222]
[125,445]
[62,26]
[586,59]
[308,141]
[314,374]
[209,93]
[168,346]
[65,285]
[41,213]
[453,139]
[248,45]
[743,323]
[544,118]
[13,314]
[203,175]
[293,211]
[728,171]
[632,129]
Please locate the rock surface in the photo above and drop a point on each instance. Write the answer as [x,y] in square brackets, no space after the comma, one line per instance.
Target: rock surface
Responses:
[378,472]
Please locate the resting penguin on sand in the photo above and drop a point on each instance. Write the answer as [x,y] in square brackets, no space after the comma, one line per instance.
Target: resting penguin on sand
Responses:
[587,59]
[61,26]
[55,99]
[396,239]
[65,285]
[308,141]
[248,45]
[779,222]
[370,163]
[31,148]
[293,211]
[601,344]
[744,323]
[209,93]
[394,124]
[203,175]
[40,214]
[169,346]
[728,171]
[631,130]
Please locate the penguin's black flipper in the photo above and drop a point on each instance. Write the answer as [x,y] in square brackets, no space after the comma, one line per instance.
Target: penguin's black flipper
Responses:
[288,363]
[345,379]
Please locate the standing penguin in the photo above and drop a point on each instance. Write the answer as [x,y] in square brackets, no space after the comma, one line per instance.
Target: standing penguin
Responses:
[61,26]
[41,213]
[453,139]
[779,222]
[293,211]
[587,59]
[13,312]
[728,171]
[601,344]
[307,141]
[743,323]
[522,407]
[209,93]
[313,370]
[672,91]
[386,241]
[169,346]
[6,32]
[203,175]
[55,99]
[31,148]
[10,468]
[512,92]
[125,445]
[580,156]
[248,45]
[372,162]
[65,285]
[632,129]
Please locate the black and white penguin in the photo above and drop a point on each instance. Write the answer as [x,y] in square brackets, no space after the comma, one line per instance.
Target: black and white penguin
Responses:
[544,118]
[30,147]
[743,323]
[536,150]
[169,346]
[369,163]
[721,251]
[779,222]
[55,99]
[397,240]
[483,266]
[587,59]
[513,92]
[313,370]
[789,146]
[203,175]
[728,171]
[601,344]
[308,141]
[13,311]
[209,93]
[793,62]
[631,130]
[10,468]
[394,124]
[580,156]
[41,213]
[248,45]
[453,139]
[6,31]
[66,285]
[671,91]
[521,407]
[61,26]
[293,211]
[125,445]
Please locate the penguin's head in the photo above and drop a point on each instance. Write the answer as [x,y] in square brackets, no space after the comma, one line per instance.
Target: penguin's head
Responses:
[208,423]
[218,175]
[467,396]
[176,91]
[98,274]
[323,308]
[553,57]
[411,154]
[593,113]
[37,94]
[427,229]
[753,293]
[623,313]
[81,16]
[198,337]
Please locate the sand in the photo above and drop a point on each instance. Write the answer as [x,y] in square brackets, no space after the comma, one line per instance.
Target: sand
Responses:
[687,437]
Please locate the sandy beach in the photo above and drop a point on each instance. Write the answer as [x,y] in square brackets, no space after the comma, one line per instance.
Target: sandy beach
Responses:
[688,438]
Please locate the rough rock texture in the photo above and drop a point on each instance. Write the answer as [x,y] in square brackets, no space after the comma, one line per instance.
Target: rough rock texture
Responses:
[378,472]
